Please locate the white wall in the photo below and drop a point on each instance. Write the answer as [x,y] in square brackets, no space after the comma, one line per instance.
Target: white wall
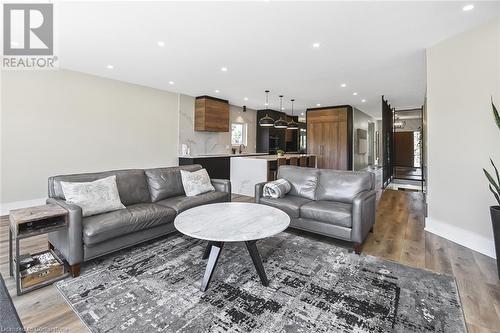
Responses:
[57,122]
[213,142]
[463,72]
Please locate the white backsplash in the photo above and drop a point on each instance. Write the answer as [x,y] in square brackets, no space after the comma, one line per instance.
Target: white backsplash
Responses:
[201,143]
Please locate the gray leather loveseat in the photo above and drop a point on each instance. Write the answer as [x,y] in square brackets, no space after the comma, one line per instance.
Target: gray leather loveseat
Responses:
[152,197]
[334,203]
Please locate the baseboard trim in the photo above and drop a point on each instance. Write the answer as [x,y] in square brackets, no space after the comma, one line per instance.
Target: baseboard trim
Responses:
[461,236]
[6,207]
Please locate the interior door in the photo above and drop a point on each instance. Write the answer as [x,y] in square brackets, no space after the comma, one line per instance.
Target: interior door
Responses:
[404,149]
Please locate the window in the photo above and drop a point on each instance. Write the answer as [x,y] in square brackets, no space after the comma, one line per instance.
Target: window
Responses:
[239,134]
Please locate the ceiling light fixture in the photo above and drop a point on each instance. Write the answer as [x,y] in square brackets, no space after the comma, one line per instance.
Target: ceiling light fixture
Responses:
[160,43]
[343,85]
[280,123]
[316,45]
[110,66]
[171,82]
[363,100]
[318,104]
[266,121]
[466,8]
[292,124]
[302,114]
[245,98]
[224,69]
[354,93]
[217,91]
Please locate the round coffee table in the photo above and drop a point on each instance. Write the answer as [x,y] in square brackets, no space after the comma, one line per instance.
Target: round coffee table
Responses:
[231,222]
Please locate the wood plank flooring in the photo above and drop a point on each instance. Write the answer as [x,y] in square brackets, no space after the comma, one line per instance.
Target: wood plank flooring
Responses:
[398,235]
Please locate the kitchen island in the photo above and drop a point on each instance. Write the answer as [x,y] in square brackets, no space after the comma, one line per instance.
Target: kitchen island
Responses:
[250,170]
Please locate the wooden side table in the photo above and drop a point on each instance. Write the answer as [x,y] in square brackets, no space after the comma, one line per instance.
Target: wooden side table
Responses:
[34,221]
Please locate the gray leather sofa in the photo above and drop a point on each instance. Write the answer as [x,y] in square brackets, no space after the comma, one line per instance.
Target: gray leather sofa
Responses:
[152,197]
[334,203]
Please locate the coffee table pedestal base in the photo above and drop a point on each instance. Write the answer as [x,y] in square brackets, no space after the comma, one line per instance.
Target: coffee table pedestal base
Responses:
[212,252]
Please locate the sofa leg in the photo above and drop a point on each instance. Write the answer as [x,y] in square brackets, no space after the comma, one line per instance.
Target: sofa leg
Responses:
[74,270]
[51,247]
[357,248]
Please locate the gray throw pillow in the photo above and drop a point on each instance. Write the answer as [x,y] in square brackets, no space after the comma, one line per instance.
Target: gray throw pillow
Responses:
[197,182]
[97,197]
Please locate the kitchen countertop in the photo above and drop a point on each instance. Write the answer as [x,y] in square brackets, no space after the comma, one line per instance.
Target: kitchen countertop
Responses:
[275,157]
[222,155]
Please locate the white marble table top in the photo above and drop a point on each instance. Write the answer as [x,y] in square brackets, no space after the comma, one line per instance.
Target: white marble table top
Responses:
[232,222]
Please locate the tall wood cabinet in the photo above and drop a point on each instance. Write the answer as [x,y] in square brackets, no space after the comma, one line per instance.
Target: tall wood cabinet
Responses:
[329,137]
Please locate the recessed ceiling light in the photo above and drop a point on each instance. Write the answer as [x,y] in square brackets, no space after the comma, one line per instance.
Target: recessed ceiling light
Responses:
[466,8]
[160,43]
[217,91]
[302,114]
[318,104]
[354,93]
[316,45]
[110,66]
[363,100]
[245,98]
[282,108]
[224,69]
[171,82]
[343,85]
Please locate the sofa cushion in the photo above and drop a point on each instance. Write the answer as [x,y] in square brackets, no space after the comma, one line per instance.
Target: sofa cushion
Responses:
[289,204]
[181,203]
[337,213]
[343,186]
[132,184]
[166,182]
[99,228]
[303,180]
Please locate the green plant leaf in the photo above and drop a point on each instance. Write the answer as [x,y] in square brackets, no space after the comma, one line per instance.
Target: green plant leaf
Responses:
[495,113]
[496,171]
[492,181]
[497,195]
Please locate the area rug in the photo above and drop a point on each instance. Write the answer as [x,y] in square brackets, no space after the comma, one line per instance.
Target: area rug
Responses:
[314,287]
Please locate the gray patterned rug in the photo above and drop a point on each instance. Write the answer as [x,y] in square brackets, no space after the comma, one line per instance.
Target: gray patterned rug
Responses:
[314,287]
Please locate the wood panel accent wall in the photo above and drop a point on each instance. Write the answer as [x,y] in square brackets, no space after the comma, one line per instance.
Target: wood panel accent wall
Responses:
[329,136]
[211,114]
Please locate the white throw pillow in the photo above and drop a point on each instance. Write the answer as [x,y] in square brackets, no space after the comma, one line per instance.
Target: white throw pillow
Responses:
[99,196]
[197,182]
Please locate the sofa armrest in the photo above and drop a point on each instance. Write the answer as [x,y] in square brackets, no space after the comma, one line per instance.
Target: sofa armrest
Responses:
[69,241]
[222,185]
[259,188]
[363,215]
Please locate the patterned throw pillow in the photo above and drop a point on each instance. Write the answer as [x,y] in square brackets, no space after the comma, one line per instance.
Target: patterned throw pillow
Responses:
[197,182]
[99,196]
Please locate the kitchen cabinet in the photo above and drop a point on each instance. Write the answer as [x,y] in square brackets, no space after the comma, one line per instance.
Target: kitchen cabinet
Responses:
[211,114]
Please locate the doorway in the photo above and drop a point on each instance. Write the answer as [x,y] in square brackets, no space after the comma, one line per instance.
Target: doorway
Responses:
[408,149]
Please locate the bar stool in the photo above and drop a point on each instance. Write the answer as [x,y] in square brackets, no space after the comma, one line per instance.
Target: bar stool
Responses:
[294,161]
[311,161]
[303,161]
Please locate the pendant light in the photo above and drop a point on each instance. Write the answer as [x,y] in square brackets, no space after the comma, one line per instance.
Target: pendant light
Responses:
[280,123]
[266,121]
[292,124]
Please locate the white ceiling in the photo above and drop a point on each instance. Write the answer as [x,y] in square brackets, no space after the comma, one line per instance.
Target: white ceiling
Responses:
[376,48]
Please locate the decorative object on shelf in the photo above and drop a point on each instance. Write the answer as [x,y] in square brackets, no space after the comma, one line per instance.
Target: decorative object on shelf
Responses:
[266,121]
[495,189]
[280,152]
[280,123]
[292,125]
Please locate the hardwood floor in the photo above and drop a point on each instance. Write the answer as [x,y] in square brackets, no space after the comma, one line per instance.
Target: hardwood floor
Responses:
[398,235]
